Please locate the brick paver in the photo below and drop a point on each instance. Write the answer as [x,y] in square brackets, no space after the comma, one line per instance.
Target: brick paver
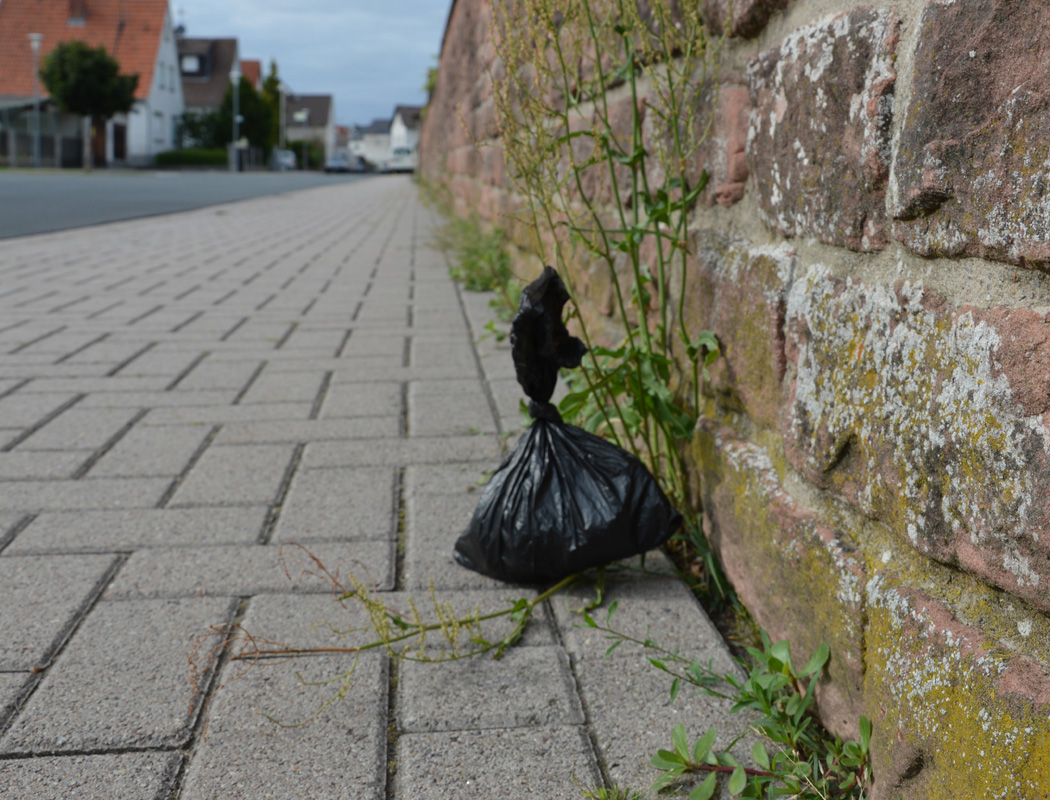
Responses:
[184,400]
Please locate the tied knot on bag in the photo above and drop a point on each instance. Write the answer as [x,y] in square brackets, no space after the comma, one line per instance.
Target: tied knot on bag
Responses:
[547,411]
[540,344]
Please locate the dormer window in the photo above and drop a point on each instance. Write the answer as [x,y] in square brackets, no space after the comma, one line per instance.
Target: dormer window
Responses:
[77,13]
[191,64]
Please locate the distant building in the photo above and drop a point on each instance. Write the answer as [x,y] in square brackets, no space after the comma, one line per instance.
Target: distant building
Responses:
[205,66]
[373,142]
[252,70]
[310,118]
[404,128]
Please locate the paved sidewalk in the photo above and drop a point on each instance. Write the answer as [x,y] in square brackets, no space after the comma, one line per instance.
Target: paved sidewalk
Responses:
[184,397]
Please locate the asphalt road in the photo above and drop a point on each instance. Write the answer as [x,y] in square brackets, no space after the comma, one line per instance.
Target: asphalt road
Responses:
[41,202]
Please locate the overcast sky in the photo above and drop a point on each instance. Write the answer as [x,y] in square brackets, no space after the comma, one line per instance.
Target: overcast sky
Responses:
[371,55]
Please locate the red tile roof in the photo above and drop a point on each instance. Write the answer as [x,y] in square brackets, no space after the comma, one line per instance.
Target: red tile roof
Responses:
[252,70]
[134,43]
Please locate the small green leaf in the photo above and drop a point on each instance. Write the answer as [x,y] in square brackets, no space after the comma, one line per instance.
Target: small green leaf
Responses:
[681,741]
[612,647]
[865,733]
[675,685]
[759,754]
[781,651]
[738,781]
[703,745]
[705,790]
[665,759]
[816,661]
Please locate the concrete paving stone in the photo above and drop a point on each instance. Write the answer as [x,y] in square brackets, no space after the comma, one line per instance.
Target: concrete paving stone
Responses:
[437,351]
[363,400]
[142,776]
[632,716]
[432,414]
[447,479]
[267,431]
[122,681]
[339,753]
[158,400]
[107,352]
[40,599]
[271,387]
[498,365]
[660,608]
[374,343]
[245,570]
[25,408]
[17,465]
[367,369]
[221,414]
[433,524]
[148,451]
[439,319]
[13,686]
[545,763]
[82,495]
[118,383]
[527,687]
[509,396]
[58,345]
[261,331]
[339,504]
[120,531]
[313,339]
[153,362]
[237,475]
[400,452]
[211,374]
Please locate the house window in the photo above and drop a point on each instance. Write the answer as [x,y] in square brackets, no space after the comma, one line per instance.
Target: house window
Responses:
[191,64]
[171,78]
[158,127]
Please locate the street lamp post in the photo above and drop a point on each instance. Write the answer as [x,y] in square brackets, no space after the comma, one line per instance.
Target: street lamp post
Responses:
[34,42]
[281,88]
[235,79]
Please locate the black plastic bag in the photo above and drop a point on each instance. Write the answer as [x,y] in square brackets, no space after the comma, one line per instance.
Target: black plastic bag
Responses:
[564,500]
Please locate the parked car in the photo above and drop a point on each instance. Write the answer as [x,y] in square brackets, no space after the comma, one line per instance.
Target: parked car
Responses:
[282,159]
[402,159]
[340,162]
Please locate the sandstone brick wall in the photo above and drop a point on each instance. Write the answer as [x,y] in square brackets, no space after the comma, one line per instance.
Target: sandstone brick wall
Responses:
[873,252]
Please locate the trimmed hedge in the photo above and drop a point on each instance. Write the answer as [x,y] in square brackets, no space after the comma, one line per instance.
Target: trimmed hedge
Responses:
[192,156]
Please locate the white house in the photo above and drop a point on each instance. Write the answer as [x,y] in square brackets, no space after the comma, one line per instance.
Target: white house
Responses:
[139,35]
[372,142]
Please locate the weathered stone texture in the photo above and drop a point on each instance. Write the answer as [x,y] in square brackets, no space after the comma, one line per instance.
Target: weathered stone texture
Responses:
[740,292]
[744,18]
[819,142]
[907,407]
[955,713]
[973,164]
[773,548]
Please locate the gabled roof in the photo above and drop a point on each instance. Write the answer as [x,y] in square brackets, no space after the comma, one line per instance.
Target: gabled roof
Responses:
[130,31]
[207,87]
[412,116]
[377,126]
[307,110]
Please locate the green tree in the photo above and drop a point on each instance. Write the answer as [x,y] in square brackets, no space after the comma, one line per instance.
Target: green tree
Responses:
[271,95]
[86,81]
[257,123]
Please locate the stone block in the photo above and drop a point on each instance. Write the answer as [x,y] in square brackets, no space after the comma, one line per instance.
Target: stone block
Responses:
[400,452]
[192,414]
[338,504]
[956,686]
[34,623]
[40,464]
[149,776]
[930,417]
[236,475]
[243,570]
[971,168]
[253,745]
[79,429]
[744,18]
[117,531]
[150,451]
[90,493]
[363,400]
[771,547]
[546,763]
[526,687]
[274,387]
[122,682]
[819,142]
[740,292]
[294,431]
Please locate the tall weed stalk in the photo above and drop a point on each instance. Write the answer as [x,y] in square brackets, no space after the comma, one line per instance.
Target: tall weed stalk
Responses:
[601,108]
